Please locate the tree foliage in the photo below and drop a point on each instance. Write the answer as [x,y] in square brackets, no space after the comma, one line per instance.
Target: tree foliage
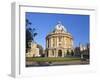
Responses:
[30,34]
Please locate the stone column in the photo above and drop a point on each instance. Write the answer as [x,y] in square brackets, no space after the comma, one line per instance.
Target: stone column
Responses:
[56,52]
[56,41]
[51,42]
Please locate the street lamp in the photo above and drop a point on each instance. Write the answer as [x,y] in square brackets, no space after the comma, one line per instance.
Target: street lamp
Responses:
[81,52]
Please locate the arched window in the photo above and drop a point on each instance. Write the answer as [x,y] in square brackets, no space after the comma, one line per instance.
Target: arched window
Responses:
[59,53]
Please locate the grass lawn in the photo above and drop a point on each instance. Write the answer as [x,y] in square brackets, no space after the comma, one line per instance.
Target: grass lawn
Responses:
[51,59]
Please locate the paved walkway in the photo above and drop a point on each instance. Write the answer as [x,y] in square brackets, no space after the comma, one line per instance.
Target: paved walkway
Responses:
[33,64]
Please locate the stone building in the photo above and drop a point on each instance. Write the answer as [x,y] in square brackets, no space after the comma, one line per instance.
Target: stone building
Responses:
[34,50]
[58,42]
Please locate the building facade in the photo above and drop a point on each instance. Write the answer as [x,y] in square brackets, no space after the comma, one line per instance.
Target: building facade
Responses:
[34,50]
[58,42]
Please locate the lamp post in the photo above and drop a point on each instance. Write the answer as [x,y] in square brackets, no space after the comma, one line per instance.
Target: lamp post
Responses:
[81,52]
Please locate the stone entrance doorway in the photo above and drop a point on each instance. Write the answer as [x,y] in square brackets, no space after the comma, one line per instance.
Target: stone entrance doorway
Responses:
[59,53]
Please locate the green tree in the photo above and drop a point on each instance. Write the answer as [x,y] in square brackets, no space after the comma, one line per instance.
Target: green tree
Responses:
[72,52]
[68,52]
[30,35]
[33,33]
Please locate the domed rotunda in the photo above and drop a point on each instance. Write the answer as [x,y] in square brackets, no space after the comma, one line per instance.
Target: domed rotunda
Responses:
[59,42]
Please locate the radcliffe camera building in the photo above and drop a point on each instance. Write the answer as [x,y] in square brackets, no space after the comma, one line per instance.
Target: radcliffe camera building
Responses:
[59,42]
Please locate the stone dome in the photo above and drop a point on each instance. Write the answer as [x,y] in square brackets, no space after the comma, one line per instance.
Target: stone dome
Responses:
[60,27]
